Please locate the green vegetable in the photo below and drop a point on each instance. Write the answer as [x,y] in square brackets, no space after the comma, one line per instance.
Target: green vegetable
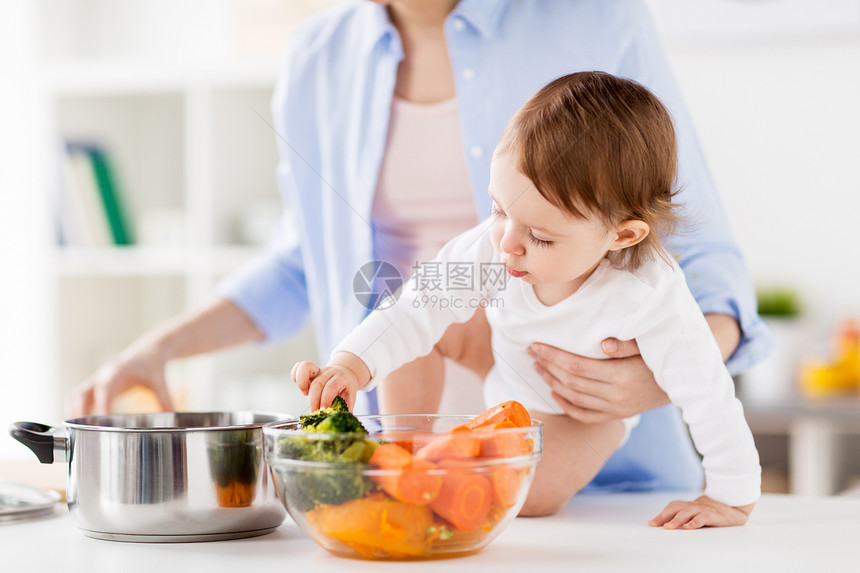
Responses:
[311,420]
[340,422]
[778,303]
[340,444]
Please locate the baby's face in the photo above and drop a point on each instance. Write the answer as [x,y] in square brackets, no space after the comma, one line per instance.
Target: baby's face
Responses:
[538,242]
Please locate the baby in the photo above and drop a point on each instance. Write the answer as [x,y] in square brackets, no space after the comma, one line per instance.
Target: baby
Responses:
[582,183]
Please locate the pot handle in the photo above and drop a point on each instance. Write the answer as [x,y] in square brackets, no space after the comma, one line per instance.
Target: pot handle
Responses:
[50,444]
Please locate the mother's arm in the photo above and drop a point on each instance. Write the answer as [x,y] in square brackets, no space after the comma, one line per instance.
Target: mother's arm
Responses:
[593,390]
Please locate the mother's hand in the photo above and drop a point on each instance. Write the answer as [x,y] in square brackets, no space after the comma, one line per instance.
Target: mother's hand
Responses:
[142,364]
[592,390]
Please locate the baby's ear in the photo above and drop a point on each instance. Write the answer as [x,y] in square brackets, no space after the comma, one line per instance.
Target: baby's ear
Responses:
[629,233]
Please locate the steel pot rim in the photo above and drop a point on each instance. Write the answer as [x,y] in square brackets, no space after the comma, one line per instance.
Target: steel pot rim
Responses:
[89,423]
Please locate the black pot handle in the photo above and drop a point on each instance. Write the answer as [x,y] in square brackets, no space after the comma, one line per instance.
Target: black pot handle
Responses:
[37,437]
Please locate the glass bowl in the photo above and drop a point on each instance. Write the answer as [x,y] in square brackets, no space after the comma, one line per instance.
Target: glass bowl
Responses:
[423,491]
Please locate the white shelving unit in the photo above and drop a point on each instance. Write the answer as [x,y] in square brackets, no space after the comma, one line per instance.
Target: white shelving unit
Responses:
[180,102]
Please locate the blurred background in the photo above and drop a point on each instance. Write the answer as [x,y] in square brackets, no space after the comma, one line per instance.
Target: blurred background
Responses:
[138,170]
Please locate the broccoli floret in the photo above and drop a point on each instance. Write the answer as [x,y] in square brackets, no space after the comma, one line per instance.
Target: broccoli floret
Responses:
[339,405]
[305,488]
[334,486]
[340,422]
[309,421]
[327,448]
[313,419]
[359,451]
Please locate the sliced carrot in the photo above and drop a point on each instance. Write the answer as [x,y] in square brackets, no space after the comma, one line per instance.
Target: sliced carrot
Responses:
[402,439]
[507,483]
[391,456]
[407,445]
[503,444]
[407,478]
[494,516]
[464,499]
[459,540]
[456,445]
[412,485]
[374,526]
[511,411]
[416,484]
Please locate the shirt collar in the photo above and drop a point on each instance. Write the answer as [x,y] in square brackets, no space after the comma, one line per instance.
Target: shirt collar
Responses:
[378,28]
[484,15]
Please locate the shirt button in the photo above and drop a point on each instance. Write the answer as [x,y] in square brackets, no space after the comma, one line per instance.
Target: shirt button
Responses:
[476,151]
[459,24]
[468,74]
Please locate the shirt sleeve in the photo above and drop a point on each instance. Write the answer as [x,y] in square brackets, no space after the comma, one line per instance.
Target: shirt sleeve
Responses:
[704,246]
[271,287]
[397,333]
[678,347]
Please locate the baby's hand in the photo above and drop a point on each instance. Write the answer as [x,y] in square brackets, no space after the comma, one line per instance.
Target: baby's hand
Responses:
[704,512]
[321,385]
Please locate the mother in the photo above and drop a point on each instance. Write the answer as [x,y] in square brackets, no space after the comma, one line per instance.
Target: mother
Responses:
[386,115]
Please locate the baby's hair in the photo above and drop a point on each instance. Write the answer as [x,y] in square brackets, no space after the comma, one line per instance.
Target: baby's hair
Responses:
[593,143]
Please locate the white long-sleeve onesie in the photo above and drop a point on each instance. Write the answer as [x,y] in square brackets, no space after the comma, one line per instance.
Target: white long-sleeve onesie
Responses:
[651,305]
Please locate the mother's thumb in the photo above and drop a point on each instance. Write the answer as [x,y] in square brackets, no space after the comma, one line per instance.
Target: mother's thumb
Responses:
[615,348]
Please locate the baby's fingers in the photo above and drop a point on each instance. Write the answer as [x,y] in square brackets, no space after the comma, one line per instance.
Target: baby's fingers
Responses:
[303,374]
[316,388]
[337,386]
[667,514]
[686,517]
[706,518]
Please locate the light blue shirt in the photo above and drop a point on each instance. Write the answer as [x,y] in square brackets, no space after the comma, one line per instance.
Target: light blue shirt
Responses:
[331,109]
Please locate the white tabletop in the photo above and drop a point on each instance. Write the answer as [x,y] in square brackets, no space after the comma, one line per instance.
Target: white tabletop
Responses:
[593,533]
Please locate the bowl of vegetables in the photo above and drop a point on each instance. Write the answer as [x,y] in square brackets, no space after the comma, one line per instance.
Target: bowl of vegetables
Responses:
[404,486]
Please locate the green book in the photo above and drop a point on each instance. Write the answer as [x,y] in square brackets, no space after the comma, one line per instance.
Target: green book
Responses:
[111,201]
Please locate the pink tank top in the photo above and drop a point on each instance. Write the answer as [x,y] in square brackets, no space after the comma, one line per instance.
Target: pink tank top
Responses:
[423,196]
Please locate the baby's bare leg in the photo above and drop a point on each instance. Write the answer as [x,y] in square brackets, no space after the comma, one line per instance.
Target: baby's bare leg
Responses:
[573,453]
[417,387]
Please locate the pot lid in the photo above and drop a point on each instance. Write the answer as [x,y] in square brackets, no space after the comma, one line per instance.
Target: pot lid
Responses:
[19,501]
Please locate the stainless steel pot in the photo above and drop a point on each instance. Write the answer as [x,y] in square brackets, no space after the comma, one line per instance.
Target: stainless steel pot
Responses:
[165,477]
